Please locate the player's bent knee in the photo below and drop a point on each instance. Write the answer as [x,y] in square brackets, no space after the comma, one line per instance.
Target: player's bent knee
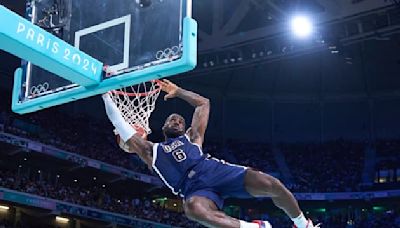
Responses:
[195,210]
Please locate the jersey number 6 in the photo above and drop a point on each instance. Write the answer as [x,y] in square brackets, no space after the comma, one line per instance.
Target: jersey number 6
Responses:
[179,155]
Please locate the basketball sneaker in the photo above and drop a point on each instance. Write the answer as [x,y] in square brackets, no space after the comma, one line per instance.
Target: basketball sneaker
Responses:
[310,224]
[263,224]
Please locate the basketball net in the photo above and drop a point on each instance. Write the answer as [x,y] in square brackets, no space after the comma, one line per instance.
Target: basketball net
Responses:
[136,103]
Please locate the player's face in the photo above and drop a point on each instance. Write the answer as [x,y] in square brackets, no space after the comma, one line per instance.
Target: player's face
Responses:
[174,126]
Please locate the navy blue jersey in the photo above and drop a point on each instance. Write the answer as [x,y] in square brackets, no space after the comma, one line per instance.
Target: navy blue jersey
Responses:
[174,158]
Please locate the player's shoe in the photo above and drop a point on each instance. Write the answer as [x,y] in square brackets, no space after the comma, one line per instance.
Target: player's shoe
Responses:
[310,225]
[263,224]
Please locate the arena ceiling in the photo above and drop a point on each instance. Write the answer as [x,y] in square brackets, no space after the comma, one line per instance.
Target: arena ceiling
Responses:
[229,22]
[246,51]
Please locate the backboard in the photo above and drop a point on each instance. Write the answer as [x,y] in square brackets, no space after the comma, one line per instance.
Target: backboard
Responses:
[137,41]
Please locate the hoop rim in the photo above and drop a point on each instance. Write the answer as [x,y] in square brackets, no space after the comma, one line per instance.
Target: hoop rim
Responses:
[116,92]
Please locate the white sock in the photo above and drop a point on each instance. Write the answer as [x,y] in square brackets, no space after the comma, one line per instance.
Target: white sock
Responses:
[124,130]
[300,221]
[244,224]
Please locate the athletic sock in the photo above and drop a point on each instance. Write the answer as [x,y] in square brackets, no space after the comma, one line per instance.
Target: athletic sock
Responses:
[244,224]
[300,221]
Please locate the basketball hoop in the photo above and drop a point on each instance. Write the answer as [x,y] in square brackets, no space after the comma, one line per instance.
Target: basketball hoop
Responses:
[136,103]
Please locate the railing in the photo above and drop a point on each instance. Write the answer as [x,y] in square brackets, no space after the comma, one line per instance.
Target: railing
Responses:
[58,207]
[348,195]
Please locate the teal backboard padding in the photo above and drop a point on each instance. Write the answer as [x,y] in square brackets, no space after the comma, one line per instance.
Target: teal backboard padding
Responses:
[66,45]
[186,63]
[20,37]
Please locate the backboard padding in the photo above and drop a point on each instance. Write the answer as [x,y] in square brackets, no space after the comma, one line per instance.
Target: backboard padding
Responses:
[139,43]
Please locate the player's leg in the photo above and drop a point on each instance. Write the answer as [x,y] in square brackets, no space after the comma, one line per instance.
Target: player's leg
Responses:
[260,184]
[205,212]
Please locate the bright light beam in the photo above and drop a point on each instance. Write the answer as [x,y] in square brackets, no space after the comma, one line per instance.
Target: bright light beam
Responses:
[302,26]
[62,219]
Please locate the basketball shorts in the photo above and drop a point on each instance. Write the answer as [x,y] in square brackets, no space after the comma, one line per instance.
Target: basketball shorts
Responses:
[215,180]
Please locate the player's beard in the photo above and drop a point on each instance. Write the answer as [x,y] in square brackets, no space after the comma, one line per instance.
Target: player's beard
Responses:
[172,133]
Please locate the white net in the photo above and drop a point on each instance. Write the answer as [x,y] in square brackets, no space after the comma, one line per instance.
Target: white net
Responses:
[137,102]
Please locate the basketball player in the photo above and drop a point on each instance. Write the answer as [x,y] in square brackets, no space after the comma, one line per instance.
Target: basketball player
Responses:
[203,182]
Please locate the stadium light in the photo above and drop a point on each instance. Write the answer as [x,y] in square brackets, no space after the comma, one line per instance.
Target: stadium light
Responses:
[4,208]
[301,26]
[62,219]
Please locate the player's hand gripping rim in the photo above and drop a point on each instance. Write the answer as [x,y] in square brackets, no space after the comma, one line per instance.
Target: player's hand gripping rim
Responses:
[170,88]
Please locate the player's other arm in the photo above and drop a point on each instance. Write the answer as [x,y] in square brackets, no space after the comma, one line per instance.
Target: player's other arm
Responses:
[127,133]
[201,113]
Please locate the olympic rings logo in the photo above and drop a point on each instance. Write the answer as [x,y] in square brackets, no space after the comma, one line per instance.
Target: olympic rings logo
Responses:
[168,52]
[41,88]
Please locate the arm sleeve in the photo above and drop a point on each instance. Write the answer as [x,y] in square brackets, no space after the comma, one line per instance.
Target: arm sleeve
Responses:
[125,130]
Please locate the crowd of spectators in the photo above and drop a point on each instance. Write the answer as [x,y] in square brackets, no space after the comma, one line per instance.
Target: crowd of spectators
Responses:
[388,152]
[94,139]
[80,135]
[96,197]
[330,167]
[256,155]
[388,147]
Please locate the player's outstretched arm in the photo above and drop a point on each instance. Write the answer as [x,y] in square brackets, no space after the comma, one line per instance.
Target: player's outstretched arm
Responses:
[127,133]
[201,113]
